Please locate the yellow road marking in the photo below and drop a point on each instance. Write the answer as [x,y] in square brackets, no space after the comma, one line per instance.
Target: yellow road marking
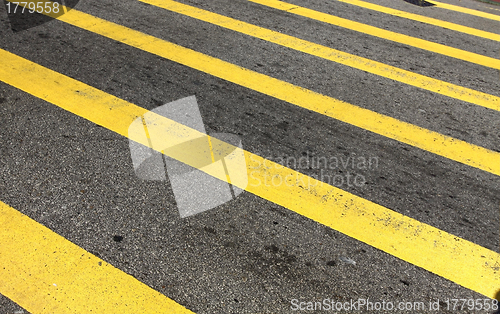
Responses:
[451,257]
[45,273]
[457,8]
[454,149]
[445,146]
[382,33]
[490,8]
[374,67]
[424,19]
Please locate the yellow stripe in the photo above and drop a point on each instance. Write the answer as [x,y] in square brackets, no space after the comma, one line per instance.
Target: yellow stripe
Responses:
[45,273]
[377,68]
[490,8]
[382,33]
[424,19]
[465,10]
[434,142]
[458,260]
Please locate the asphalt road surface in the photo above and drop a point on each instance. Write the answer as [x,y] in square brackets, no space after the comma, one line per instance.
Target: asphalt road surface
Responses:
[396,112]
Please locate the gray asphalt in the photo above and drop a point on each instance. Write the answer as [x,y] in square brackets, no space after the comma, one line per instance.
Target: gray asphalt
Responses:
[250,255]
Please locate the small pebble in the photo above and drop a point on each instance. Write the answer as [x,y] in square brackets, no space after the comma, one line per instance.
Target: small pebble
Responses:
[347,260]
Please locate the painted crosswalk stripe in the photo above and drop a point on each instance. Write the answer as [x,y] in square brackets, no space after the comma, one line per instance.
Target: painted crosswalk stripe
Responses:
[382,33]
[360,63]
[45,273]
[425,19]
[460,261]
[436,143]
[460,9]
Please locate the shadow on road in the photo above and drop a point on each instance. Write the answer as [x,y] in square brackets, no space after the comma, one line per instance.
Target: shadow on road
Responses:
[420,3]
[497,296]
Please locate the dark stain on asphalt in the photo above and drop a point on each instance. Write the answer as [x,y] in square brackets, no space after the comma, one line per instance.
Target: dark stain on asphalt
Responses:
[406,283]
[230,244]
[117,238]
[283,125]
[331,263]
[420,3]
[272,248]
[271,262]
[95,253]
[210,230]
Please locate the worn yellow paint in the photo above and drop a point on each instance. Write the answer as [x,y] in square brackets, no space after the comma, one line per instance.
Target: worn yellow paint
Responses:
[454,149]
[45,273]
[456,259]
[460,9]
[382,33]
[425,19]
[374,67]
